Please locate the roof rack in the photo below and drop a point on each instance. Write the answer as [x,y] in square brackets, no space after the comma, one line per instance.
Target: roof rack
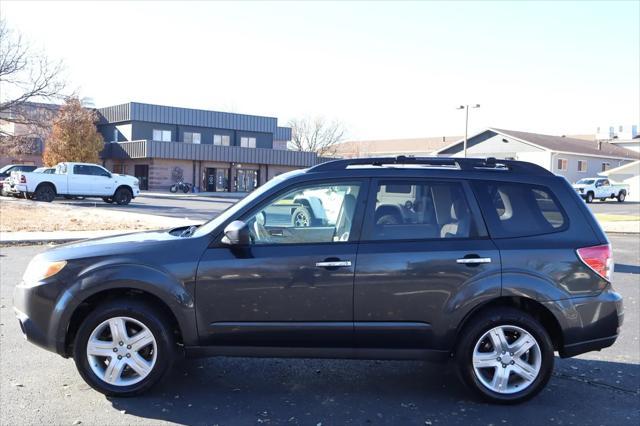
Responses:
[467,164]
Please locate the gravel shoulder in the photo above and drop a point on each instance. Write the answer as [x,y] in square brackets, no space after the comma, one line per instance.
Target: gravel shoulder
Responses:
[18,215]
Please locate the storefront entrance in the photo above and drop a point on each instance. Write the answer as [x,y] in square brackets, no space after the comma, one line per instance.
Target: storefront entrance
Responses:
[247,180]
[216,180]
[141,172]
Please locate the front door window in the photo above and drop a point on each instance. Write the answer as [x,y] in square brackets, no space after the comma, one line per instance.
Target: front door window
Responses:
[313,214]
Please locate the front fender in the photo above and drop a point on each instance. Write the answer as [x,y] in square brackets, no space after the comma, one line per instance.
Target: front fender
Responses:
[161,284]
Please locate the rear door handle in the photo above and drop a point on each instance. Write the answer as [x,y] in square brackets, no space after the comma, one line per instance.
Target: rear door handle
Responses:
[474,260]
[333,264]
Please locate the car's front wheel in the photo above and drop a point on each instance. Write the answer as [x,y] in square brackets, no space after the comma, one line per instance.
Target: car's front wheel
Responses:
[505,355]
[122,197]
[621,197]
[123,348]
[590,197]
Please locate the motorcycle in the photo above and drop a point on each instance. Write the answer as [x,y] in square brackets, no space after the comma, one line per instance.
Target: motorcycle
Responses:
[181,186]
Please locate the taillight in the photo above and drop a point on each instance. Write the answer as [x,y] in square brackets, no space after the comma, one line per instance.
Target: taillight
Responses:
[598,258]
[23,179]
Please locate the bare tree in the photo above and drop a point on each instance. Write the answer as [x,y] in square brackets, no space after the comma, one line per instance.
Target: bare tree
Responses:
[27,78]
[316,135]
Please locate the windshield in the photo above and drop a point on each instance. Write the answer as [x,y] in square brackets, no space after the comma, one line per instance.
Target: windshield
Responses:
[585,181]
[5,168]
[211,225]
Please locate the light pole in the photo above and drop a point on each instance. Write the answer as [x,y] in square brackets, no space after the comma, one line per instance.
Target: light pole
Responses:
[466,124]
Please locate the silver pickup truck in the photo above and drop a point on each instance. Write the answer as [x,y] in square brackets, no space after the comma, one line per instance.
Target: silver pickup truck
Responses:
[77,180]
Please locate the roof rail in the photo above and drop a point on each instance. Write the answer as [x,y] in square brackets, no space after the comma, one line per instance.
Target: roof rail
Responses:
[467,164]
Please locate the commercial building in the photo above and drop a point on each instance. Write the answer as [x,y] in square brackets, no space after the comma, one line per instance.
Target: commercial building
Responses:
[569,157]
[217,151]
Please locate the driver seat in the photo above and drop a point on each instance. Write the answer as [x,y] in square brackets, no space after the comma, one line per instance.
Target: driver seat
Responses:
[345,218]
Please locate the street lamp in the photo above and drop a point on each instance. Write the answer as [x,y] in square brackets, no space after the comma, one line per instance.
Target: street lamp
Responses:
[466,124]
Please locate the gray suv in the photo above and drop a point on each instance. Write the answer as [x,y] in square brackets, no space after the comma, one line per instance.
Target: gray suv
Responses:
[493,265]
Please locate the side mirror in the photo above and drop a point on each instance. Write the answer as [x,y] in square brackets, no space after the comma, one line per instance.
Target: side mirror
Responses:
[236,234]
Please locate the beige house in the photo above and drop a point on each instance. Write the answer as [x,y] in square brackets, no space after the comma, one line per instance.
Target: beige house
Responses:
[418,147]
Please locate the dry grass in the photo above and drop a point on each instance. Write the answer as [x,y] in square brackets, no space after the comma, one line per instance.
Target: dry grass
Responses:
[30,216]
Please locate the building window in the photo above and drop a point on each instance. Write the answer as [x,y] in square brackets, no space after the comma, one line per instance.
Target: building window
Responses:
[605,166]
[223,140]
[190,137]
[162,135]
[562,164]
[582,166]
[247,142]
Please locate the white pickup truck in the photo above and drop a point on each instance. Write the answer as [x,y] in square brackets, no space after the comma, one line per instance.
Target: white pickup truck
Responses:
[77,180]
[602,188]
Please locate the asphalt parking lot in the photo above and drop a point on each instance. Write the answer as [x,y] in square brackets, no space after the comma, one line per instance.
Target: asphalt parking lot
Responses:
[40,387]
[628,208]
[190,207]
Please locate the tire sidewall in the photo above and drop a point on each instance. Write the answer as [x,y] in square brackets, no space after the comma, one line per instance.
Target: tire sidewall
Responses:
[122,196]
[154,322]
[589,198]
[506,316]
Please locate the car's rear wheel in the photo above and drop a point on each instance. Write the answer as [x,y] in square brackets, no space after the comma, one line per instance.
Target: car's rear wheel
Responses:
[621,197]
[44,193]
[505,355]
[122,196]
[123,348]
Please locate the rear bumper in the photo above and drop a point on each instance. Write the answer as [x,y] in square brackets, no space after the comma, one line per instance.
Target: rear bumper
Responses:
[589,323]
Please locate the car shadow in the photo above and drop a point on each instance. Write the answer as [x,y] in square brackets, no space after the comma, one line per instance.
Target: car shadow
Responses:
[295,391]
[626,269]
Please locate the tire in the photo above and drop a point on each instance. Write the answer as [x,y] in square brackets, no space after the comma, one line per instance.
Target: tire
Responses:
[621,196]
[44,193]
[186,189]
[108,200]
[473,343]
[301,217]
[589,198]
[173,188]
[122,196]
[157,353]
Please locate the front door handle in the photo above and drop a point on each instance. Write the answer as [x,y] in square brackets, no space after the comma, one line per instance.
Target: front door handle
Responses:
[474,260]
[333,264]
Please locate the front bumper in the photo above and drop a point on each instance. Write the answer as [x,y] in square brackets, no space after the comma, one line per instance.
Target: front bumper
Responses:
[588,323]
[37,309]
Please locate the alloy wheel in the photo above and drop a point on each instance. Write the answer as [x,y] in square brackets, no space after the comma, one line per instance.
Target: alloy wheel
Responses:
[122,351]
[507,359]
[301,219]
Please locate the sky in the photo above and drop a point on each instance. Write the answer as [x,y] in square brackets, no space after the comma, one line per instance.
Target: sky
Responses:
[385,69]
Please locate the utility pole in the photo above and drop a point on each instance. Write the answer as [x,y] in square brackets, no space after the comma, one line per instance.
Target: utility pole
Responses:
[466,124]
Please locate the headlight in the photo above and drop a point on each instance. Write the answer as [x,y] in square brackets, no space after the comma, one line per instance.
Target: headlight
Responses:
[40,269]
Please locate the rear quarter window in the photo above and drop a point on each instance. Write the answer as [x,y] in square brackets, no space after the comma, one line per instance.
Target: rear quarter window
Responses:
[518,210]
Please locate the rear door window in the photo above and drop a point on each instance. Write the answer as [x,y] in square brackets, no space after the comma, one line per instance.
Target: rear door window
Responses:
[517,210]
[416,210]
